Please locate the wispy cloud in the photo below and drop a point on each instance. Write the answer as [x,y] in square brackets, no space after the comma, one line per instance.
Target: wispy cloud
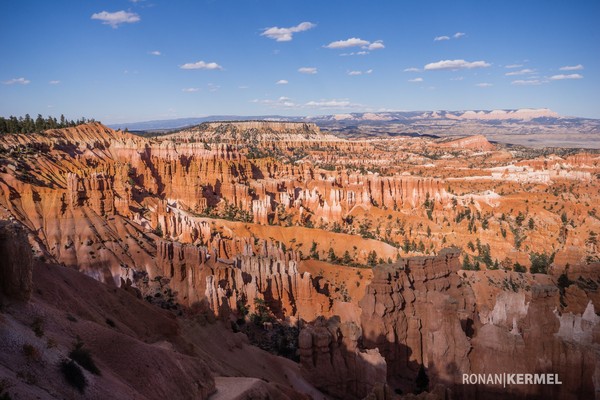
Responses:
[577,67]
[412,69]
[356,42]
[355,73]
[17,81]
[213,88]
[455,64]
[286,34]
[527,82]
[282,82]
[53,82]
[442,38]
[561,77]
[513,66]
[357,53]
[286,102]
[155,53]
[201,65]
[117,18]
[190,90]
[484,85]
[282,102]
[416,80]
[457,78]
[307,70]
[332,103]
[525,71]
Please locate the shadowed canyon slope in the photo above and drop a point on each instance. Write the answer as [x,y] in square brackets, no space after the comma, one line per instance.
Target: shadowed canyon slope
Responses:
[371,262]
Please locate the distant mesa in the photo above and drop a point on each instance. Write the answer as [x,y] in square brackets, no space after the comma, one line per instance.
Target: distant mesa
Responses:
[524,114]
[521,114]
[254,131]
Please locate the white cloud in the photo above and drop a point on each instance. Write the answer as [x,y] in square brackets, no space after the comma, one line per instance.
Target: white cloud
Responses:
[416,80]
[440,38]
[307,70]
[356,42]
[352,42]
[18,81]
[190,90]
[520,72]
[155,53]
[458,78]
[201,65]
[243,87]
[376,45]
[355,73]
[286,34]
[458,35]
[527,82]
[412,69]
[114,19]
[282,82]
[577,67]
[213,88]
[54,82]
[484,85]
[513,66]
[455,64]
[563,77]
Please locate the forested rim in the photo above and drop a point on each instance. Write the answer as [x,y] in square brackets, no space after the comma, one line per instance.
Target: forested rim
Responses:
[27,124]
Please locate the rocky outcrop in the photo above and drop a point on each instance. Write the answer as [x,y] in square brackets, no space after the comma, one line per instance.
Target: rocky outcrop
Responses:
[16,262]
[417,314]
[256,132]
[334,363]
[198,274]
[533,337]
[477,142]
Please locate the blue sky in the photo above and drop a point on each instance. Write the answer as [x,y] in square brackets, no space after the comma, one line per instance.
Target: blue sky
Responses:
[125,61]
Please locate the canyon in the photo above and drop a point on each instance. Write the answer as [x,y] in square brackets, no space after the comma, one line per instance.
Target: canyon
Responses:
[288,261]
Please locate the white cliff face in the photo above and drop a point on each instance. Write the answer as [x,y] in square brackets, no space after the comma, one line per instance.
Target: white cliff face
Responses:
[578,328]
[509,309]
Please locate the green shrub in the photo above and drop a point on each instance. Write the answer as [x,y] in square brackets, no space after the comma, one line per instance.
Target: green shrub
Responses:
[73,375]
[520,268]
[38,326]
[84,358]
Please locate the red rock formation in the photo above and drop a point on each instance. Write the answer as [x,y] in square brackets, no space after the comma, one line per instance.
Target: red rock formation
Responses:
[414,312]
[196,275]
[330,355]
[16,262]
[476,142]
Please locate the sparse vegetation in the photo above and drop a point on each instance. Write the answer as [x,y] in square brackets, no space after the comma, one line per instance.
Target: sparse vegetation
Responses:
[83,357]
[73,375]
